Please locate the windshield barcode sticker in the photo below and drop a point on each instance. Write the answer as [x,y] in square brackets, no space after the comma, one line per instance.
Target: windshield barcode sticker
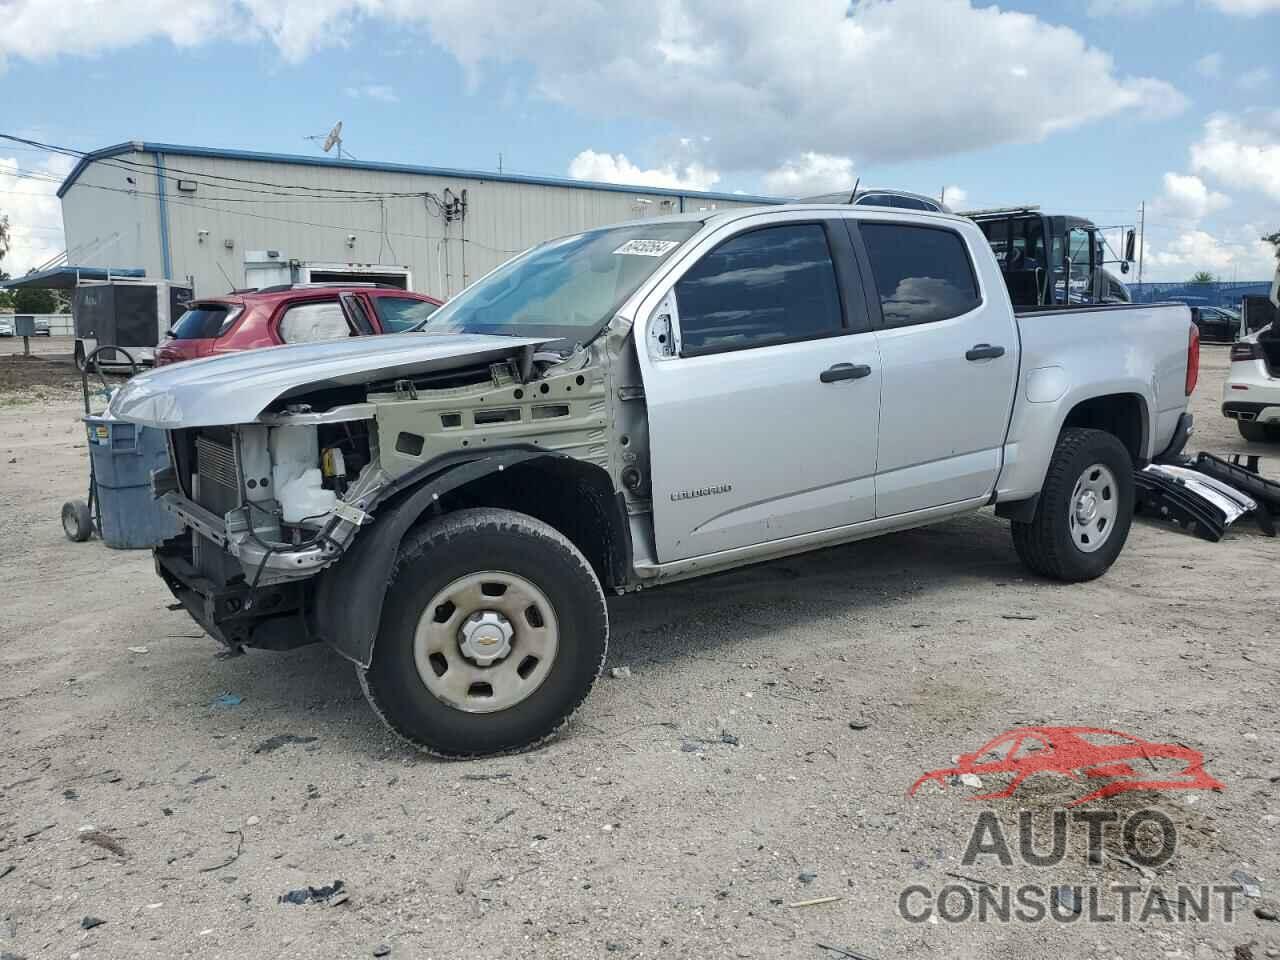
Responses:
[647,248]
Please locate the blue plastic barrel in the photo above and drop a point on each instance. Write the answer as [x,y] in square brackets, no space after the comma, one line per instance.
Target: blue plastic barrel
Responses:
[124,454]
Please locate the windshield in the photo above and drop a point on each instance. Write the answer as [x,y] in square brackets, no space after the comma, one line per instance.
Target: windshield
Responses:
[566,289]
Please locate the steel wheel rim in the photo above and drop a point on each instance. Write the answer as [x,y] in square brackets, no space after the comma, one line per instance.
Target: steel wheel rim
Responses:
[1093,508]
[486,641]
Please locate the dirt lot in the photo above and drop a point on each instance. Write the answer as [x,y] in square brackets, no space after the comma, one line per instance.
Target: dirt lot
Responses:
[689,808]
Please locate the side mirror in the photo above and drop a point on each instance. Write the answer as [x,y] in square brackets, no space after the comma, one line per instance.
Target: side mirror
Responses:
[1124,266]
[1130,244]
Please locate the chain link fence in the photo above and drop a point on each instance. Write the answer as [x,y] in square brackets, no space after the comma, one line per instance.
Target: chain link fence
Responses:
[1199,294]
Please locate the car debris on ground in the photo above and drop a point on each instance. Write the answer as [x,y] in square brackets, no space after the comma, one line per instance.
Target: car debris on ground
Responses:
[1206,494]
[313,894]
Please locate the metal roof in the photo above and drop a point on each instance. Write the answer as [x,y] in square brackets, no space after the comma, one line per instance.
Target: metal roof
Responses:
[179,150]
[66,278]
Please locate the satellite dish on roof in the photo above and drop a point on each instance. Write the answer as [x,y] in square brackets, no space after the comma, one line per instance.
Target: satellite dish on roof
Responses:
[334,137]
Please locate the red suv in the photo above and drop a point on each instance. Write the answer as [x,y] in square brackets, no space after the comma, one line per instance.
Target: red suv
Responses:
[290,314]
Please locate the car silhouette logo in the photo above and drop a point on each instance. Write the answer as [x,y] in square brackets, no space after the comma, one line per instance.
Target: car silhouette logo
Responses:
[1083,754]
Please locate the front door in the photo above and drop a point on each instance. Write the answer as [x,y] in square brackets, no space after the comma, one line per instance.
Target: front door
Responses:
[762,424]
[950,367]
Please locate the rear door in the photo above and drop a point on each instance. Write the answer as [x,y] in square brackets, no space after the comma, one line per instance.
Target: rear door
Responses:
[948,346]
[762,414]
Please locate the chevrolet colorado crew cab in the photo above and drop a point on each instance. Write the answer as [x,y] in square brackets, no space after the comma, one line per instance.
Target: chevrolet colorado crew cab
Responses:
[629,406]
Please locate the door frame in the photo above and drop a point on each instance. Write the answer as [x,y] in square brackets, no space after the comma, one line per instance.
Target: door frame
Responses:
[647,302]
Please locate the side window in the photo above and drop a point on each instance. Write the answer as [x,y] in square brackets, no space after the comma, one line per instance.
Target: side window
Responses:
[397,314]
[923,274]
[875,200]
[313,321]
[768,286]
[911,203]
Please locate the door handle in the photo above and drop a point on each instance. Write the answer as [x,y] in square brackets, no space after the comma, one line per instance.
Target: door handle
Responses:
[845,371]
[983,351]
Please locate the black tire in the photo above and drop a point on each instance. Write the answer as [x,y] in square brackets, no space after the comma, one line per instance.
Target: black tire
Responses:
[77,523]
[1045,545]
[1258,432]
[457,545]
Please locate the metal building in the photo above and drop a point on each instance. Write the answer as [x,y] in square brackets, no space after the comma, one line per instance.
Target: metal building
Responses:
[181,212]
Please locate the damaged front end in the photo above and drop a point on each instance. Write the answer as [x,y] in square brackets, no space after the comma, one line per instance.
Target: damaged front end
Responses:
[272,503]
[266,506]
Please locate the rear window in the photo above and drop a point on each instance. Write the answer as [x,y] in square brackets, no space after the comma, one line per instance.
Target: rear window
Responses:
[204,322]
[923,273]
[323,320]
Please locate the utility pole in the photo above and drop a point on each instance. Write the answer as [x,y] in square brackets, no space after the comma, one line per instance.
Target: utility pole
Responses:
[1142,236]
[499,161]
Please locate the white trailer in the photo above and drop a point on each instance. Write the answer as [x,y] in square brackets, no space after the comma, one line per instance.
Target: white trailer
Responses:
[271,268]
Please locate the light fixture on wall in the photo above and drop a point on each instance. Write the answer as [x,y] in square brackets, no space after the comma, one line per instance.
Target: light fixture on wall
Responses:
[351,240]
[201,236]
[229,243]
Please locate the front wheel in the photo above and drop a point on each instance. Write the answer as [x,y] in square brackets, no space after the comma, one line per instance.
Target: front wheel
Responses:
[493,633]
[1086,506]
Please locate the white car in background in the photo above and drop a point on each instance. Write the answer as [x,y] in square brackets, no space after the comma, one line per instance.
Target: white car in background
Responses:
[1251,395]
[6,326]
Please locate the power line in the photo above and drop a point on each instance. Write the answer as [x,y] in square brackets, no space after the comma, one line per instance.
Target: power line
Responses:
[167,170]
[181,201]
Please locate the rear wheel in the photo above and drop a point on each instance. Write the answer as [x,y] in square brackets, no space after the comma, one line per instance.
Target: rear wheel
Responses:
[493,632]
[1258,432]
[1086,506]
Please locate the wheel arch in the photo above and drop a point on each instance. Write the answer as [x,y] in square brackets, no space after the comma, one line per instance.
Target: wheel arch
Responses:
[575,497]
[1123,415]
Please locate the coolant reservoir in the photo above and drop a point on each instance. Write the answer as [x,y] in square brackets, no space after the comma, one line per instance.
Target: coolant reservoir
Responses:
[295,476]
[305,498]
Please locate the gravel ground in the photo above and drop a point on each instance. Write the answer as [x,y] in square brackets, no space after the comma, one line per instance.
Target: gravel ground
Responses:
[686,811]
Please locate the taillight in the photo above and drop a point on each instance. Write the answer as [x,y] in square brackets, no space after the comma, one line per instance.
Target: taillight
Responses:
[1243,352]
[1193,359]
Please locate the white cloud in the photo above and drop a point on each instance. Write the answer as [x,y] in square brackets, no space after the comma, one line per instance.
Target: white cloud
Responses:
[373,91]
[616,168]
[1246,8]
[763,82]
[1186,197]
[28,197]
[1210,65]
[1125,8]
[955,197]
[810,173]
[42,29]
[1240,254]
[767,84]
[1255,79]
[1241,151]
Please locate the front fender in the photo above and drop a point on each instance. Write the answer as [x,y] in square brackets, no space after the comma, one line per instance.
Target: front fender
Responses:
[346,606]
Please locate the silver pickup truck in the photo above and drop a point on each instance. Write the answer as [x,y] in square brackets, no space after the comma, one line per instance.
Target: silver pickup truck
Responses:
[629,406]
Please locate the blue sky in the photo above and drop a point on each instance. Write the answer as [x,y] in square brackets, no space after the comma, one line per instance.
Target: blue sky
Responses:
[1083,106]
